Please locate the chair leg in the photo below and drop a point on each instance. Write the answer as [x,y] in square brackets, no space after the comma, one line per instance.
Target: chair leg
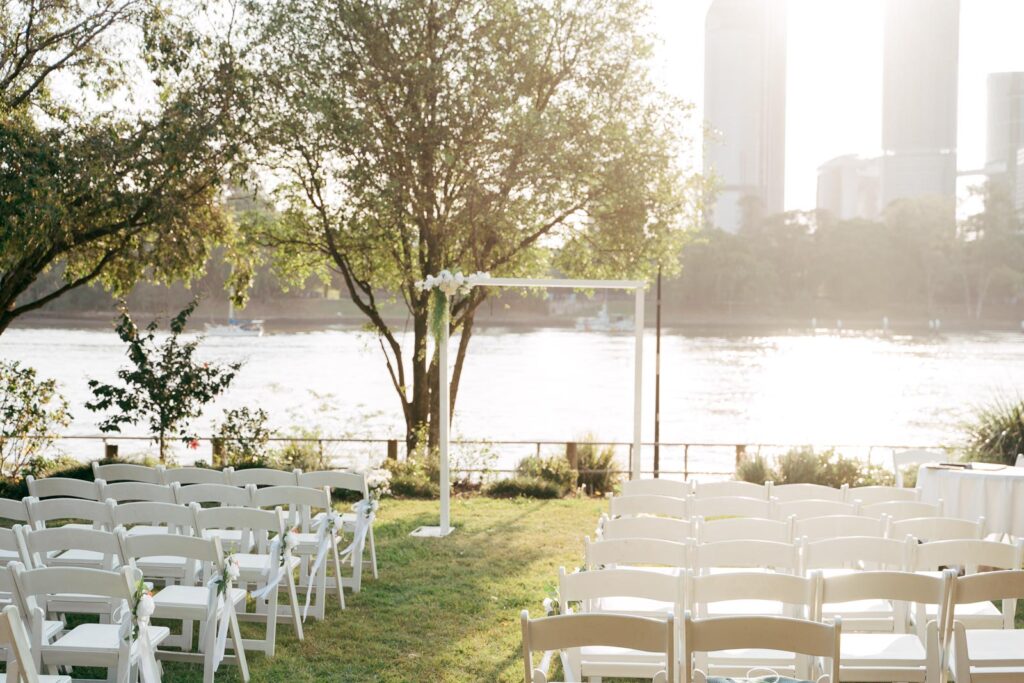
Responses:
[373,553]
[357,568]
[296,616]
[272,623]
[236,637]
[209,643]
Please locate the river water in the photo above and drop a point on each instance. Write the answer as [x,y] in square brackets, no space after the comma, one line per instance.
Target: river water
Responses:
[559,384]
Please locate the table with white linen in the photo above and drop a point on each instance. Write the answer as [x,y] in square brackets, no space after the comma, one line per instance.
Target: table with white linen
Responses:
[995,494]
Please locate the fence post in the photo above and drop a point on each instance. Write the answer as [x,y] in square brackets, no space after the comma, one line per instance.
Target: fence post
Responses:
[109,451]
[571,455]
[686,462]
[741,454]
[218,451]
[392,449]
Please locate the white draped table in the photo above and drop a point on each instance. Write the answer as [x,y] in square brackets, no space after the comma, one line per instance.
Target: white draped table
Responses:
[995,494]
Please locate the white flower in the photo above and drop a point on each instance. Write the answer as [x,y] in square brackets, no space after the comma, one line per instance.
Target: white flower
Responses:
[144,610]
[549,606]
[232,569]
[289,540]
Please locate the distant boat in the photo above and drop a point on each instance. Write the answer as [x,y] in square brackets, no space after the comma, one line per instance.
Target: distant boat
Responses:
[602,322]
[234,327]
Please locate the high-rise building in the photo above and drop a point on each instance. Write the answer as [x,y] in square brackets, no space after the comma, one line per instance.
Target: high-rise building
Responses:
[1004,147]
[919,98]
[745,105]
[850,187]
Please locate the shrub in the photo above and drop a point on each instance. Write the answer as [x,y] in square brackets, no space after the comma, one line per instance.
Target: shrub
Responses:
[410,479]
[304,453]
[243,438]
[804,466]
[755,470]
[555,470]
[524,487]
[31,412]
[996,433]
[596,467]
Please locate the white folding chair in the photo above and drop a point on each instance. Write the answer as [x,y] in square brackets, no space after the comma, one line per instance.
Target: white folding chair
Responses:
[749,594]
[221,495]
[742,528]
[633,592]
[152,518]
[897,510]
[212,604]
[128,472]
[899,656]
[836,526]
[635,552]
[570,632]
[664,528]
[781,634]
[656,487]
[20,666]
[61,487]
[270,563]
[806,509]
[10,551]
[42,512]
[9,596]
[114,646]
[845,555]
[787,493]
[263,476]
[14,510]
[937,528]
[730,489]
[313,547]
[730,506]
[869,495]
[135,492]
[187,476]
[987,655]
[968,555]
[344,481]
[902,459]
[731,556]
[658,506]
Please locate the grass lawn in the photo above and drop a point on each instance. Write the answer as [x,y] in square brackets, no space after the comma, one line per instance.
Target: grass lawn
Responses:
[443,609]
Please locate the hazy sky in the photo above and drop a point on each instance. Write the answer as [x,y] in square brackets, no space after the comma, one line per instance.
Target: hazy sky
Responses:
[834,79]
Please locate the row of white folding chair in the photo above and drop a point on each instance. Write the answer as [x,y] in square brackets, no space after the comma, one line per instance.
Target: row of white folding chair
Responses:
[872,656]
[259,476]
[866,495]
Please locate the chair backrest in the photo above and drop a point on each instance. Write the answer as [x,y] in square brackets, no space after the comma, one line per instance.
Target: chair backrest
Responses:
[656,487]
[633,552]
[187,476]
[747,554]
[1019,462]
[853,552]
[303,502]
[128,472]
[588,588]
[572,631]
[21,667]
[1007,585]
[869,495]
[730,506]
[255,524]
[772,633]
[795,592]
[901,459]
[804,509]
[154,545]
[135,491]
[336,479]
[968,553]
[936,528]
[740,528]
[177,518]
[835,526]
[41,544]
[785,493]
[901,587]
[61,487]
[263,476]
[661,506]
[663,528]
[116,585]
[14,510]
[902,509]
[734,489]
[220,494]
[42,511]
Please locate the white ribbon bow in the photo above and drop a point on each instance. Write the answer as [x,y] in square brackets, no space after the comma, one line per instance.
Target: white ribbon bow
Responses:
[272,578]
[327,526]
[226,606]
[149,670]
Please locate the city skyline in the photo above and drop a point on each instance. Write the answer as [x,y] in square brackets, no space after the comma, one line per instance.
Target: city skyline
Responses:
[834,78]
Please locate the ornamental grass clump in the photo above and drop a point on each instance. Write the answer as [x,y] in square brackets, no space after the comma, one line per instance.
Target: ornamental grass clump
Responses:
[996,433]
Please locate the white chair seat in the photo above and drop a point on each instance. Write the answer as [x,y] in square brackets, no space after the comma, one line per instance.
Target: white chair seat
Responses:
[145,530]
[79,558]
[100,639]
[252,566]
[634,606]
[996,648]
[230,539]
[44,679]
[721,608]
[617,662]
[176,600]
[881,649]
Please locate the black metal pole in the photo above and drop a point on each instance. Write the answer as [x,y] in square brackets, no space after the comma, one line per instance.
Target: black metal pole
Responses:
[657,380]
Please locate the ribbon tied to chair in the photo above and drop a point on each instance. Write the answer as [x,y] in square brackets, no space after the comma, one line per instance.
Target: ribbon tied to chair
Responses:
[221,601]
[274,574]
[149,669]
[327,527]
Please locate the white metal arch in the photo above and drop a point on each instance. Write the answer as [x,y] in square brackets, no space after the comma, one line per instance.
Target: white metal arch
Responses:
[637,286]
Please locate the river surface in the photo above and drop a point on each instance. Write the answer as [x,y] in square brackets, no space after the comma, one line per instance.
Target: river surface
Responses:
[558,385]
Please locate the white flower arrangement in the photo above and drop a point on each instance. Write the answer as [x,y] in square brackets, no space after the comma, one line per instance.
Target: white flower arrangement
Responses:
[228,575]
[452,283]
